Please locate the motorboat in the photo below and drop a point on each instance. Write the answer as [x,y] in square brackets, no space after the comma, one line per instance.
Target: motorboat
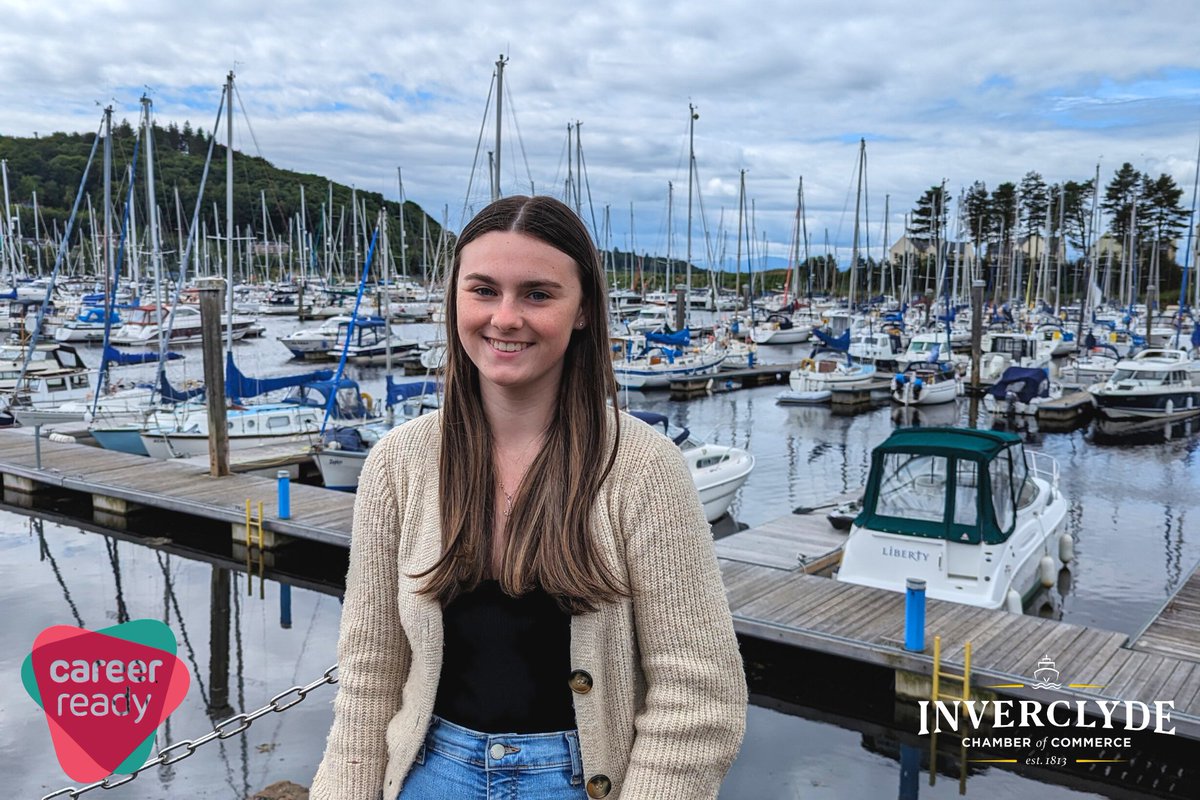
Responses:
[816,378]
[971,512]
[926,384]
[1021,390]
[780,329]
[878,347]
[315,341]
[926,347]
[181,326]
[1004,349]
[1154,384]
[717,470]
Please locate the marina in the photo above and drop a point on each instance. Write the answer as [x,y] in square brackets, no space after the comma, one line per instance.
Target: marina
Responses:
[764,566]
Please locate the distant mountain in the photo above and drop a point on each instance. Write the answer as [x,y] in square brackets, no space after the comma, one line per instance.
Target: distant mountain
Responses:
[50,168]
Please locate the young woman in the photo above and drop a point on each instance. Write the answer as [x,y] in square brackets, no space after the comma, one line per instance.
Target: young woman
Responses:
[533,607]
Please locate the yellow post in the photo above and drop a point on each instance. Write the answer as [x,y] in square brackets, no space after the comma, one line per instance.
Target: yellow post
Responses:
[967,672]
[260,526]
[937,665]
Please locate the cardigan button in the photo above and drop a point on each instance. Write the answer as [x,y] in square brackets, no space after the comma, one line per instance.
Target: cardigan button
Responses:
[599,786]
[581,682]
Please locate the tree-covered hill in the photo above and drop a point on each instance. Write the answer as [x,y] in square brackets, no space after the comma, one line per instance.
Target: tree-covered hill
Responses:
[45,171]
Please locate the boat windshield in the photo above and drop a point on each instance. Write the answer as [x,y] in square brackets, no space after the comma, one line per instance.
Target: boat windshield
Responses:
[960,494]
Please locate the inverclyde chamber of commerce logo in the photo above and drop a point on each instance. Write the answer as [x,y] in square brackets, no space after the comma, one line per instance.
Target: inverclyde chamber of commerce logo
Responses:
[105,693]
[1068,725]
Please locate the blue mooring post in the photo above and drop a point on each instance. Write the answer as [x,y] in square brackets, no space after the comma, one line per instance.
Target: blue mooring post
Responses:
[285,605]
[910,772]
[285,494]
[914,615]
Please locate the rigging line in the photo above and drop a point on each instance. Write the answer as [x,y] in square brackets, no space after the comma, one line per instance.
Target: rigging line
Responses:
[478,144]
[271,184]
[45,548]
[63,249]
[512,112]
[587,183]
[187,643]
[114,560]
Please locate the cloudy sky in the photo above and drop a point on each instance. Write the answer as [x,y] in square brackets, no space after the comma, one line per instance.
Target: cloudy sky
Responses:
[960,91]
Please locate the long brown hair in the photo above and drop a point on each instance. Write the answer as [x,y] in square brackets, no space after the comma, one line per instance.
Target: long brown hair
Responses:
[549,539]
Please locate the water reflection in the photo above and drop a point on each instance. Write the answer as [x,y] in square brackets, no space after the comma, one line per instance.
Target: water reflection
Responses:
[237,650]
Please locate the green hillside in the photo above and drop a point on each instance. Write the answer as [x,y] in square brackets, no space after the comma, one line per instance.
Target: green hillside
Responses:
[51,167]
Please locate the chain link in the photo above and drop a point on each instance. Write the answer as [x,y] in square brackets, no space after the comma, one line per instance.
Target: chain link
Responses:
[225,729]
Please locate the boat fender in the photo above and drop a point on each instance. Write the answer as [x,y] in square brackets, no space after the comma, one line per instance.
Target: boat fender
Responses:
[1066,548]
[61,437]
[898,380]
[1170,409]
[1012,602]
[368,402]
[1046,571]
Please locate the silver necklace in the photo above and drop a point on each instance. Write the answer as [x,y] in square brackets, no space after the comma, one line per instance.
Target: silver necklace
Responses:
[508,496]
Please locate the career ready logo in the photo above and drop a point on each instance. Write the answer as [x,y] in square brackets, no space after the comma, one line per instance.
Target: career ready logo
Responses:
[105,693]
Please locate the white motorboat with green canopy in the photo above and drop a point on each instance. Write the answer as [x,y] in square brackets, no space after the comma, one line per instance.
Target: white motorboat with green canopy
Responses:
[971,512]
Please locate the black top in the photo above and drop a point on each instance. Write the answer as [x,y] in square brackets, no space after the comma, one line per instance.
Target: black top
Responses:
[506,663]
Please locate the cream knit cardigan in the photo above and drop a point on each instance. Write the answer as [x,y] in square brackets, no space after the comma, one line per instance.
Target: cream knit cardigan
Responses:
[667,711]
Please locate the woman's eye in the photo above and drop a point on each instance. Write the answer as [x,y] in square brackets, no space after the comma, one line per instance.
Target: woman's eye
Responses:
[539,296]
[483,291]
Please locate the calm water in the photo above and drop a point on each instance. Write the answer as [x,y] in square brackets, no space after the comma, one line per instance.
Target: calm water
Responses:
[1130,508]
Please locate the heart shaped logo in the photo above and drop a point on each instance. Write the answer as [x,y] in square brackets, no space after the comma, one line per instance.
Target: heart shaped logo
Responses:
[105,693]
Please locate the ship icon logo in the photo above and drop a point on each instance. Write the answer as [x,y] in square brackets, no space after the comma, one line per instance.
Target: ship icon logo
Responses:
[1046,675]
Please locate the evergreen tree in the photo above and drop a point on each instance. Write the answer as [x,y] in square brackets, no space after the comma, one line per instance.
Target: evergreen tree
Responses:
[928,219]
[975,207]
[1033,203]
[1119,198]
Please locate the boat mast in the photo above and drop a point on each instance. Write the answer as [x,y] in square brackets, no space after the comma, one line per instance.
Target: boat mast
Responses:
[692,117]
[670,235]
[152,224]
[108,248]
[501,61]
[862,156]
[403,246]
[228,213]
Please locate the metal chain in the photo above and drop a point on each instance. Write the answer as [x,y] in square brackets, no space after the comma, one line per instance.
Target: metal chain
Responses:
[224,729]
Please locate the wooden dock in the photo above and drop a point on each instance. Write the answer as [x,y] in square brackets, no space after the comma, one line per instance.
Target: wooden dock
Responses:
[728,380]
[1175,629]
[766,571]
[120,482]
[1069,409]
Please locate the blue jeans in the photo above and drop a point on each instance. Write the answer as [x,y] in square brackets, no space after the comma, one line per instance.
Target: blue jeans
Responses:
[456,763]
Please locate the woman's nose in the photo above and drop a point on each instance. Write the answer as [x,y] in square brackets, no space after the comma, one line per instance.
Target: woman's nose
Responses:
[507,314]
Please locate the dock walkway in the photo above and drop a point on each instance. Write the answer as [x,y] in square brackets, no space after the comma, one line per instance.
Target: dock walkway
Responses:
[765,570]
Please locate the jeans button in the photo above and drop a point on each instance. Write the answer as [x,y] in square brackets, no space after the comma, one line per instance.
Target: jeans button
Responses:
[497,751]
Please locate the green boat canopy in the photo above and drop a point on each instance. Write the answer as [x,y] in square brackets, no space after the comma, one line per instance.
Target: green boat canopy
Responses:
[958,484]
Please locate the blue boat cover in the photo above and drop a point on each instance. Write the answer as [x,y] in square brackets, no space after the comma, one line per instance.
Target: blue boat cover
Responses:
[677,339]
[111,355]
[651,418]
[1024,382]
[841,344]
[173,395]
[238,385]
[398,392]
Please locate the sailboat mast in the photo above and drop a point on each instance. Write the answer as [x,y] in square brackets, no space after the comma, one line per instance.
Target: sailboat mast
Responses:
[403,244]
[229,229]
[862,155]
[670,234]
[108,245]
[499,116]
[9,247]
[692,117]
[152,224]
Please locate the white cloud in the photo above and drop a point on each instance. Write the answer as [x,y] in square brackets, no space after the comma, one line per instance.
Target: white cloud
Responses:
[957,91]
